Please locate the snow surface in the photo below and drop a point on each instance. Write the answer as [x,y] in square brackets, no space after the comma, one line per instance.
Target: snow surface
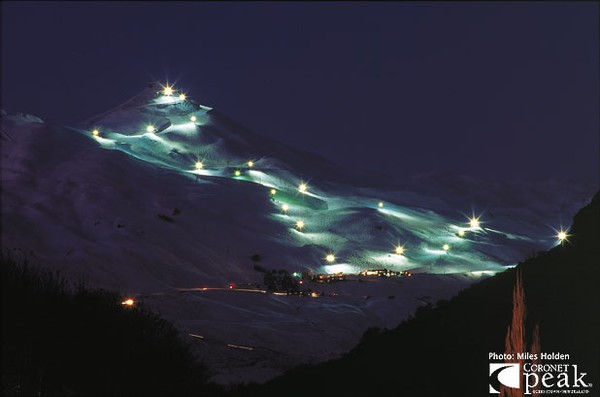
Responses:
[128,210]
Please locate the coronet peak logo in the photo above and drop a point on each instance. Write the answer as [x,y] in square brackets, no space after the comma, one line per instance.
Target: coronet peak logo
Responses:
[507,374]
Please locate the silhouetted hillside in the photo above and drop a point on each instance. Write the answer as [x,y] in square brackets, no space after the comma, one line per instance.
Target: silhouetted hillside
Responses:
[444,350]
[58,340]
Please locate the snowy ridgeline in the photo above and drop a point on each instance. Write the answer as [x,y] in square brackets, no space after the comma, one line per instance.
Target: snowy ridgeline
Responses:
[162,197]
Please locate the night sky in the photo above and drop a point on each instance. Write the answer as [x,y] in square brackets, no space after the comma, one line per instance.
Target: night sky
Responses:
[495,90]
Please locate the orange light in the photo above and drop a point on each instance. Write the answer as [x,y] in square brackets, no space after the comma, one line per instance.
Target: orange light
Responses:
[128,302]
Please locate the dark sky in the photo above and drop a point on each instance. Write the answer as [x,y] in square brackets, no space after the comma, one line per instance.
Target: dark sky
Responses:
[497,90]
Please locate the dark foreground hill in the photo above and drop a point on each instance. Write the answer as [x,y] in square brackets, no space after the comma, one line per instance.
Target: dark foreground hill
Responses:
[444,350]
[62,340]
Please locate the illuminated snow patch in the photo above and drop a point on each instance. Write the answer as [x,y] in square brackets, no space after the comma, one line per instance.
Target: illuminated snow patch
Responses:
[435,252]
[104,141]
[182,127]
[397,214]
[165,100]
[341,268]
[483,273]
[391,259]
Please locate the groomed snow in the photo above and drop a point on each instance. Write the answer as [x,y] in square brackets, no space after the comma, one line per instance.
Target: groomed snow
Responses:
[128,210]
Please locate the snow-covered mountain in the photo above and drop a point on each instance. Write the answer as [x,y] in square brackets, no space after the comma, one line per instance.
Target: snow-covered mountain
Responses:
[162,195]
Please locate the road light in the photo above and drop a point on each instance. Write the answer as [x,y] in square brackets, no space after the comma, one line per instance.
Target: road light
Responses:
[400,250]
[150,128]
[237,173]
[285,208]
[273,192]
[182,96]
[461,233]
[300,225]
[330,258]
[302,188]
[128,302]
[250,164]
[193,119]
[95,132]
[445,247]
[199,165]
[380,204]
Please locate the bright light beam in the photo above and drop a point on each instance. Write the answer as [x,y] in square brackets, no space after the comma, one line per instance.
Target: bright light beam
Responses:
[167,90]
[562,236]
[474,223]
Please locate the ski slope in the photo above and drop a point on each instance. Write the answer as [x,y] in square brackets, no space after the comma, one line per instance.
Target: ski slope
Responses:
[162,196]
